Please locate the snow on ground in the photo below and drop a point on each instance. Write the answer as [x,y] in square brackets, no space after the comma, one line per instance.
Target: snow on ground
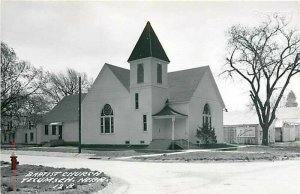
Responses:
[207,178]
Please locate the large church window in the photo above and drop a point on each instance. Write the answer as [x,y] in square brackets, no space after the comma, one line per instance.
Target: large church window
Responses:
[159,73]
[206,116]
[107,119]
[140,73]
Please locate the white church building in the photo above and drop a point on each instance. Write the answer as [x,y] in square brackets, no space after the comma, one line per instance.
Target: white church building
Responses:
[146,102]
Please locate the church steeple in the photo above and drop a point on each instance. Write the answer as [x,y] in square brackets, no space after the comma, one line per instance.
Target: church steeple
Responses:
[148,45]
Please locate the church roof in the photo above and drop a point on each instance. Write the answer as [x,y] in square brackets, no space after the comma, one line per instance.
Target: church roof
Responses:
[65,110]
[148,45]
[182,84]
[122,74]
[169,112]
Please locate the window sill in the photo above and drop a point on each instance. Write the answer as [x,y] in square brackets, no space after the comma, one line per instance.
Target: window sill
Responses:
[107,133]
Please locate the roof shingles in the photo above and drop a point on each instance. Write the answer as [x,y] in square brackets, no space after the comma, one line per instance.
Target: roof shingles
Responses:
[182,84]
[65,111]
[148,45]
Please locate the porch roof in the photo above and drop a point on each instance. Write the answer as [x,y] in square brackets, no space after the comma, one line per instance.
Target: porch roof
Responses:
[168,112]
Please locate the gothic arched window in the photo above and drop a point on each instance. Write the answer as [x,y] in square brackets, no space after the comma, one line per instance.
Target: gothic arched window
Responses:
[140,73]
[206,116]
[107,119]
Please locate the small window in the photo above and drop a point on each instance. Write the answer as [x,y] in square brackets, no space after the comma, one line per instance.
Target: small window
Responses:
[46,129]
[145,122]
[140,73]
[102,125]
[112,124]
[107,124]
[31,136]
[159,73]
[142,142]
[136,101]
[53,130]
[127,142]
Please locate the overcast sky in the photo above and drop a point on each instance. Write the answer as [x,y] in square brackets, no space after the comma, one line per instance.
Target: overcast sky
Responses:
[85,35]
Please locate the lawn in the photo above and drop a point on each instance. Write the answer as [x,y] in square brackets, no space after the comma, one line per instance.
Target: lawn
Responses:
[249,153]
[40,179]
[217,152]
[100,152]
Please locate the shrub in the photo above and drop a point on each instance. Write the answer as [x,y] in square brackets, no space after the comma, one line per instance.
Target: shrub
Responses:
[206,134]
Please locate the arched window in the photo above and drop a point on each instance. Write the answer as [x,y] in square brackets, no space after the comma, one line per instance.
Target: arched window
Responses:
[140,73]
[107,119]
[159,73]
[206,116]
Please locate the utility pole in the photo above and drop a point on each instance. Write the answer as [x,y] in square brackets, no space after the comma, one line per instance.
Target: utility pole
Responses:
[79,113]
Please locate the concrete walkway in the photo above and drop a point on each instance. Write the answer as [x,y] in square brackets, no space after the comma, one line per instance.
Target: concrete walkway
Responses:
[184,152]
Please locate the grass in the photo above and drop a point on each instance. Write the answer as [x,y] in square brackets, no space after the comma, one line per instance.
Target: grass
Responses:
[251,153]
[100,152]
[8,185]
[225,152]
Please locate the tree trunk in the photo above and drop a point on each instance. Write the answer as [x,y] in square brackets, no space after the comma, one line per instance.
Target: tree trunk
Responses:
[265,138]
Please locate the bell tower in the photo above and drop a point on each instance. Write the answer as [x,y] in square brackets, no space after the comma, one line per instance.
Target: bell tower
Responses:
[148,69]
[148,76]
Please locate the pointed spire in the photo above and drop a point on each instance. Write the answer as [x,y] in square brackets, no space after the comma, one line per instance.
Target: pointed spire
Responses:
[148,45]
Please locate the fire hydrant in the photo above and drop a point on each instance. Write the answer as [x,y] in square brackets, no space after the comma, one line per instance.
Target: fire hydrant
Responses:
[13,161]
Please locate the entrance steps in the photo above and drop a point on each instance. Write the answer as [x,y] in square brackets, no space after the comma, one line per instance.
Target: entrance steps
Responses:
[160,144]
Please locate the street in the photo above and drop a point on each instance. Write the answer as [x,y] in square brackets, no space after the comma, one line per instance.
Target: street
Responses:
[207,178]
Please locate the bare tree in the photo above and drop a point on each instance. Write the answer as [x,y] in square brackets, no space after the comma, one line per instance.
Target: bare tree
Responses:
[266,58]
[64,84]
[19,80]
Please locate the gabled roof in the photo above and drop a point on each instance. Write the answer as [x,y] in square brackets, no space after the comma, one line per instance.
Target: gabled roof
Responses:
[182,84]
[283,115]
[65,110]
[148,45]
[288,114]
[122,74]
[240,118]
[169,112]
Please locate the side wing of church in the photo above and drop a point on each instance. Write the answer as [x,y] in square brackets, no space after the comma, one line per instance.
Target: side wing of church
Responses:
[147,104]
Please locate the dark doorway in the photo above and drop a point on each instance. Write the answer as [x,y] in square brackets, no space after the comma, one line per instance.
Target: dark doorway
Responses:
[26,138]
[278,134]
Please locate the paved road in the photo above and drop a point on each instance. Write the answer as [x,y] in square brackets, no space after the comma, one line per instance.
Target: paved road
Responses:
[199,178]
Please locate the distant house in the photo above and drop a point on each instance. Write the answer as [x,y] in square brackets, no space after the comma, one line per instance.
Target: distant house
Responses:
[17,129]
[61,122]
[287,125]
[242,127]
